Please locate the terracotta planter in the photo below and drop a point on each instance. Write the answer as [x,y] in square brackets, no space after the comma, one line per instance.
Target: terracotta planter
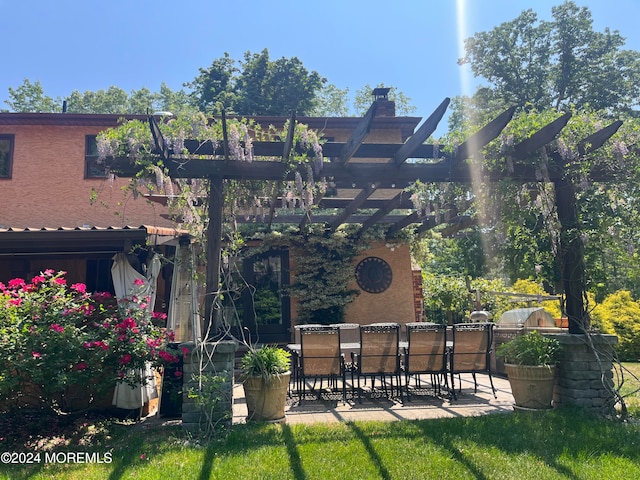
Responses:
[531,386]
[266,400]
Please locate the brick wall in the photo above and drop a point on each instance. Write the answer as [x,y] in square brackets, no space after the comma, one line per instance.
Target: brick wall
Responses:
[418,297]
[48,188]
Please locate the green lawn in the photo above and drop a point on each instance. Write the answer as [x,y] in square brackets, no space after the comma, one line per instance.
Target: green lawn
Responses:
[631,387]
[555,444]
[561,443]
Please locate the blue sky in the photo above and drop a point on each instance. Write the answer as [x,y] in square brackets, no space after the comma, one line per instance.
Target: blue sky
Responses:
[411,44]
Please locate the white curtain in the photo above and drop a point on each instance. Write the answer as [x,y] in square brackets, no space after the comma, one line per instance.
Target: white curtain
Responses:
[124,276]
[183,317]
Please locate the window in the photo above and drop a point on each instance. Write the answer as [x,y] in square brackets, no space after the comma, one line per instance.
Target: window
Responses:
[6,155]
[92,169]
[98,277]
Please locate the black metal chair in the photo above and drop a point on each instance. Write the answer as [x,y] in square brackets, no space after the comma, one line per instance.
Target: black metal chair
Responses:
[471,352]
[379,356]
[426,353]
[320,358]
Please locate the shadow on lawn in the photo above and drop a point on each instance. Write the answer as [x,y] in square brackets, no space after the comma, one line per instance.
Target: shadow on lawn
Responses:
[549,434]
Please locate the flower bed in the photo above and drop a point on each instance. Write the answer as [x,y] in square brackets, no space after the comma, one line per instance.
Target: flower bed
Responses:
[57,339]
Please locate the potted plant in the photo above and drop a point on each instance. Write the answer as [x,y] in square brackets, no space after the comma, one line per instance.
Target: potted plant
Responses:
[530,361]
[265,378]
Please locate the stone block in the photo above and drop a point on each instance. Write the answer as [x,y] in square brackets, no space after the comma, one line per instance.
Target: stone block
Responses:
[570,366]
[573,384]
[583,375]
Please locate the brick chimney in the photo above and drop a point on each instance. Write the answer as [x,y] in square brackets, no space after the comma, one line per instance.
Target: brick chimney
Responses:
[384,106]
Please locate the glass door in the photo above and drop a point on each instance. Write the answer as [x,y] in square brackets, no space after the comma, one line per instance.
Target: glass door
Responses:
[256,300]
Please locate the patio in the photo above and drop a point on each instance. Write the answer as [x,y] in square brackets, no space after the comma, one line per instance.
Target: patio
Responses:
[423,406]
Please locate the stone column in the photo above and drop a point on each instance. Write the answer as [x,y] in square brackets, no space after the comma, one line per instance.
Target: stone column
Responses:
[585,372]
[207,392]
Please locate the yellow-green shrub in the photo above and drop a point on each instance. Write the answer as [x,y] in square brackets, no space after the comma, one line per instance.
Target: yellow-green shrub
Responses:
[619,314]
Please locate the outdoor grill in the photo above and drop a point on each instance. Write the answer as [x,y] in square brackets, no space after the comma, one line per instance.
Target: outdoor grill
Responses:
[517,322]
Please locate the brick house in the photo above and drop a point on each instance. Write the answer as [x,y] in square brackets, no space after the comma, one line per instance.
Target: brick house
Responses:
[48,174]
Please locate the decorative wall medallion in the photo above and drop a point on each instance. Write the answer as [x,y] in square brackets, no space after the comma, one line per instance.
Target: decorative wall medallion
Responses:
[373,275]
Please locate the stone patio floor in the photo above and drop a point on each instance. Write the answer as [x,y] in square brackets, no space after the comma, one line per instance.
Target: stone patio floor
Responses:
[330,408]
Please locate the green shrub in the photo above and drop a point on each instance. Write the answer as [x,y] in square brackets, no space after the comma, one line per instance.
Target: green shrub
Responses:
[619,314]
[57,338]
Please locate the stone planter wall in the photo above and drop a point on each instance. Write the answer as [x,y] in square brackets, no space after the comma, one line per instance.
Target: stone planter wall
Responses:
[585,373]
[218,360]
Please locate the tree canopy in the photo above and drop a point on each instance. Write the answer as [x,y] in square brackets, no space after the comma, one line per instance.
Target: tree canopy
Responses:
[556,64]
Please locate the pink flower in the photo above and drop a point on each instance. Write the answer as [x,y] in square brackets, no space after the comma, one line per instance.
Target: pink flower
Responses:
[138,281]
[177,373]
[79,287]
[60,281]
[81,366]
[126,358]
[100,297]
[185,350]
[35,354]
[56,328]
[167,357]
[159,316]
[120,374]
[48,272]
[126,323]
[15,301]
[16,283]
[38,279]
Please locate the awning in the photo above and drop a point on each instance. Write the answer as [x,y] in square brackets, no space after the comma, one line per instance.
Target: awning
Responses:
[80,240]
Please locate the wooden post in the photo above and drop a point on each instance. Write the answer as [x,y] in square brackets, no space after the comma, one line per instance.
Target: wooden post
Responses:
[213,253]
[572,256]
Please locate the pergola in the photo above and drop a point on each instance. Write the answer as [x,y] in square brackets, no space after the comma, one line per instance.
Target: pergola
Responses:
[359,169]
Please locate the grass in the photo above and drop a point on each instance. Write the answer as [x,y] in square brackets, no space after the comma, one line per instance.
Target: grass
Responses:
[631,387]
[555,444]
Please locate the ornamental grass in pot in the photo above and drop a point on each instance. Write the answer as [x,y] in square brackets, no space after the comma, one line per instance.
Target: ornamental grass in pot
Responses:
[265,378]
[530,361]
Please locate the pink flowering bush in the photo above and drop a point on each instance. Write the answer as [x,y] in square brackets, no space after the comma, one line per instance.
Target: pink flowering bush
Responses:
[56,338]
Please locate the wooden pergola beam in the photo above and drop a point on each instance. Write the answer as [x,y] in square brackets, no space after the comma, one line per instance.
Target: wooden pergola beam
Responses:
[353,206]
[423,133]
[381,213]
[483,136]
[158,139]
[596,140]
[286,153]
[359,134]
[413,217]
[539,139]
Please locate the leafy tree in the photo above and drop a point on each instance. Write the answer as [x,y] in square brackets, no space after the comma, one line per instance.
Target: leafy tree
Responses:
[112,100]
[30,97]
[362,101]
[256,86]
[213,89]
[332,102]
[556,64]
